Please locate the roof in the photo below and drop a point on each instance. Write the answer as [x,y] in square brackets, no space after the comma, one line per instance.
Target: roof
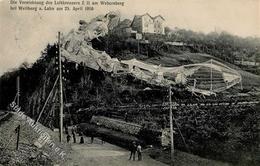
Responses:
[135,17]
[147,15]
[158,16]
[139,16]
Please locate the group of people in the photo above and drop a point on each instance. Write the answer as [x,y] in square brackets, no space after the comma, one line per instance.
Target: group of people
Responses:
[135,148]
[73,135]
[81,141]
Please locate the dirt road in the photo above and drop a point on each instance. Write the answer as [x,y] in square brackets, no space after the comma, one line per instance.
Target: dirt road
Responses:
[98,154]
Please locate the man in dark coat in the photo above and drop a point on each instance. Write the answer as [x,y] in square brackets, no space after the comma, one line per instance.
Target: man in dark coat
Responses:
[68,138]
[81,138]
[133,150]
[74,136]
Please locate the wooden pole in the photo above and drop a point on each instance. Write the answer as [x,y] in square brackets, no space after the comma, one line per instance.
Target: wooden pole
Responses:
[60,90]
[18,137]
[171,126]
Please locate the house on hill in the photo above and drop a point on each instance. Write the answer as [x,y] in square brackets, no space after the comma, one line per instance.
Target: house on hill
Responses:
[148,24]
[141,24]
[159,25]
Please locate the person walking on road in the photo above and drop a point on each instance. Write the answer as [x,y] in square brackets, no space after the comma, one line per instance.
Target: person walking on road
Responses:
[81,138]
[68,138]
[133,150]
[139,152]
[74,136]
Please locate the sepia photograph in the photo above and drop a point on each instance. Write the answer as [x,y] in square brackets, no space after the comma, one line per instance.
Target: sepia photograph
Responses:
[129,83]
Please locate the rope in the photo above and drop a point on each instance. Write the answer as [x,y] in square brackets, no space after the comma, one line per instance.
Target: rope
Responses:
[181,135]
[47,100]
[51,110]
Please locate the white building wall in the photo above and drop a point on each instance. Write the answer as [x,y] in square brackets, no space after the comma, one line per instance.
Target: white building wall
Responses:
[147,24]
[159,25]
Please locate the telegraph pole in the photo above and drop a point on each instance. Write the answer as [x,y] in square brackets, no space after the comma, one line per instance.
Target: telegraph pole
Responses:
[18,136]
[60,89]
[171,126]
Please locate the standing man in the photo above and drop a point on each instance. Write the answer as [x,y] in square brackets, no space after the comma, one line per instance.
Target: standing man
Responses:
[139,152]
[133,150]
[73,135]
[81,138]
[68,138]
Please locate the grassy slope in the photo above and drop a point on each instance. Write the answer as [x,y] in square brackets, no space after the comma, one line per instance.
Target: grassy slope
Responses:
[183,158]
[27,138]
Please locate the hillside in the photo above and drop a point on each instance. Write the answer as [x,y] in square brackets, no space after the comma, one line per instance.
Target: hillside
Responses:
[28,153]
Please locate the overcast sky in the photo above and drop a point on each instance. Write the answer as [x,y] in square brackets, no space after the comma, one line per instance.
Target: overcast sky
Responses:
[25,34]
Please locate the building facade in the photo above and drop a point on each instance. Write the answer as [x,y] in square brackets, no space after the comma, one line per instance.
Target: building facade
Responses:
[159,25]
[148,24]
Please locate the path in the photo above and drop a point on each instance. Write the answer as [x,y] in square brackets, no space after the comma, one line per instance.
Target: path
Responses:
[98,154]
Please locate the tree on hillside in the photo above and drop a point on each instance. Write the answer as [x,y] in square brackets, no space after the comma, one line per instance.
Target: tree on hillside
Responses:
[222,45]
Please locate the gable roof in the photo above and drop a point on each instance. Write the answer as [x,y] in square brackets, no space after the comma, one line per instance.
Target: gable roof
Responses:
[139,16]
[158,16]
[147,15]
